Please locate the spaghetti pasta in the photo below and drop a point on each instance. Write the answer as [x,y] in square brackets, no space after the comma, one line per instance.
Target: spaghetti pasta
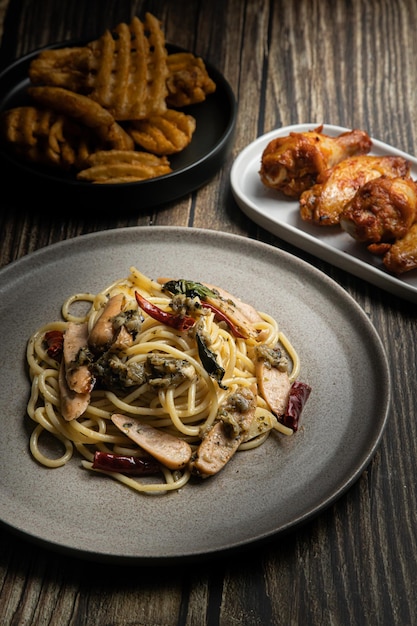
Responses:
[173,363]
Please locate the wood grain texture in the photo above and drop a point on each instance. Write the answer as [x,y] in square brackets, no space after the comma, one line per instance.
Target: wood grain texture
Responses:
[350,63]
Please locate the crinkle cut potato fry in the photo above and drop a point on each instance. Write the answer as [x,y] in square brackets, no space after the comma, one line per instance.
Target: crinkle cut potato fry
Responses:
[188,81]
[131,81]
[88,112]
[125,70]
[168,133]
[48,137]
[127,166]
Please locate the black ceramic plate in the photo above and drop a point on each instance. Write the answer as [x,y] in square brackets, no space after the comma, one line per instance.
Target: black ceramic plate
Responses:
[192,168]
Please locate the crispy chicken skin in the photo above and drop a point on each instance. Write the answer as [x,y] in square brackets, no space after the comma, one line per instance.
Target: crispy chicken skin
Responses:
[324,202]
[402,255]
[382,210]
[291,164]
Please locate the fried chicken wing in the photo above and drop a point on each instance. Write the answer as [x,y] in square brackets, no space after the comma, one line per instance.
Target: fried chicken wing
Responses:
[382,210]
[292,164]
[325,201]
[402,255]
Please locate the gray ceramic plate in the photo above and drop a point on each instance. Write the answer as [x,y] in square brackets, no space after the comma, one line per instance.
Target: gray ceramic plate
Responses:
[260,493]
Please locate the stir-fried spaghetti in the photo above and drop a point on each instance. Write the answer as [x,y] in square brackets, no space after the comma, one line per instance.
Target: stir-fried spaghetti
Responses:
[175,379]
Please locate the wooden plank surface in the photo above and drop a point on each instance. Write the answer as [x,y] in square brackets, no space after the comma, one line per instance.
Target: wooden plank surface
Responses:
[349,63]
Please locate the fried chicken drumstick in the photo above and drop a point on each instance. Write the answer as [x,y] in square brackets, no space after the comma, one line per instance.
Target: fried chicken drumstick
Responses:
[324,202]
[292,164]
[402,255]
[382,210]
[383,214]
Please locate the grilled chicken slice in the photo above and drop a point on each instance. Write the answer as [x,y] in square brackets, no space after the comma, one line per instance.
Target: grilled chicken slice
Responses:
[247,310]
[402,255]
[79,377]
[274,386]
[169,450]
[103,333]
[73,404]
[235,311]
[223,439]
[324,202]
[382,210]
[244,315]
[291,164]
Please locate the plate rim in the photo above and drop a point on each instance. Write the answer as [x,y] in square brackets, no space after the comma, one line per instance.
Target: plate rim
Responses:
[49,252]
[304,240]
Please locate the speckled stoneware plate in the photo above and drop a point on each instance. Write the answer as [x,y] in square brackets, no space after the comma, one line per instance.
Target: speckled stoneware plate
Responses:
[261,492]
[281,216]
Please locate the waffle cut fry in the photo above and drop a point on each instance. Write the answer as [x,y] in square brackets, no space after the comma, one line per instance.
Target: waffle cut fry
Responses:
[123,166]
[88,112]
[188,81]
[46,137]
[168,133]
[125,70]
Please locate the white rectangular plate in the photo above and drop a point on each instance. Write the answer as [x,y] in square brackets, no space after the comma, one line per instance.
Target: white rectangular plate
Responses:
[281,216]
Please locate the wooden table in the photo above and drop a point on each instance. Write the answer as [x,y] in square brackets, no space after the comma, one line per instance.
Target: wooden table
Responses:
[352,64]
